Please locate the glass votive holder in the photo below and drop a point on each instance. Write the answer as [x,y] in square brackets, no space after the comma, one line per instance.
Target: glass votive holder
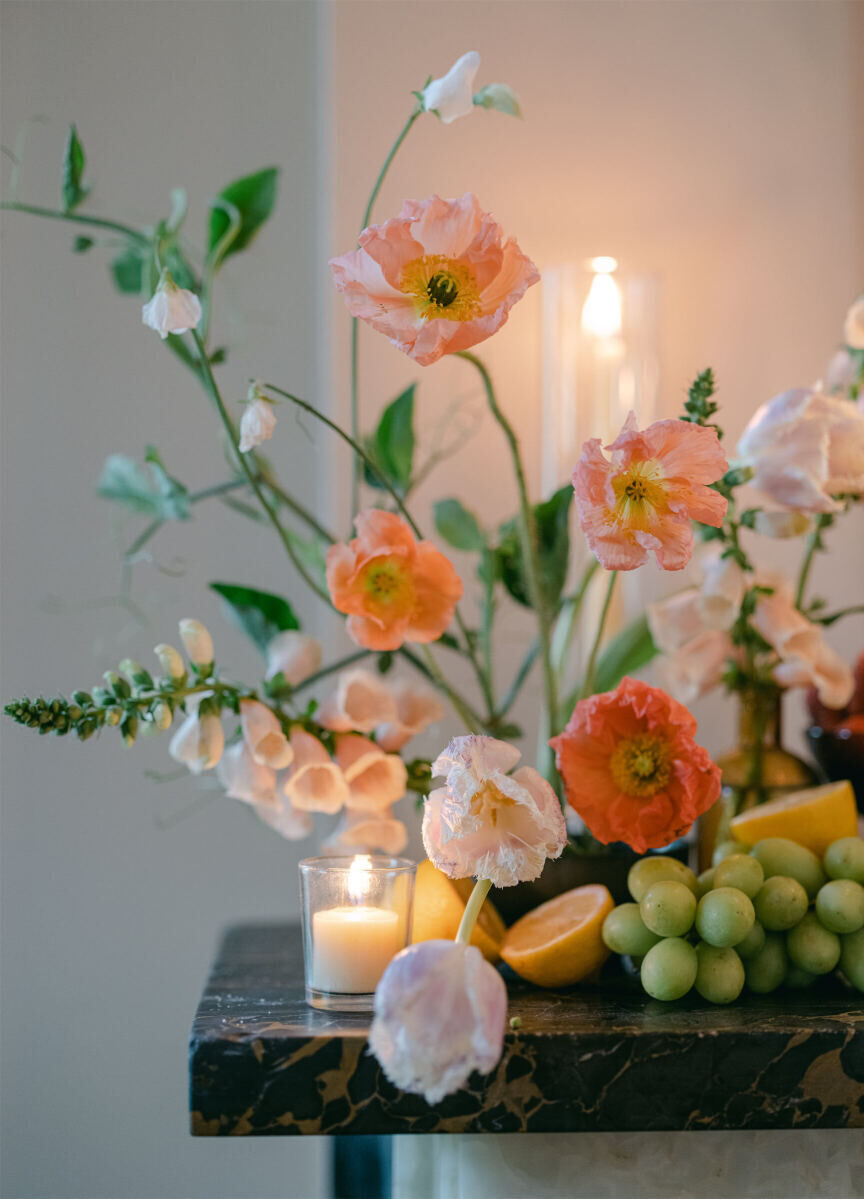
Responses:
[356,915]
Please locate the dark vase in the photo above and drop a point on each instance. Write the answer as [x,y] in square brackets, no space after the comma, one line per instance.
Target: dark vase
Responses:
[839,754]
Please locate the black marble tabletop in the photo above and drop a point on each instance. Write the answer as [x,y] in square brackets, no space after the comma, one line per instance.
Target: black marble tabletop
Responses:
[604,1058]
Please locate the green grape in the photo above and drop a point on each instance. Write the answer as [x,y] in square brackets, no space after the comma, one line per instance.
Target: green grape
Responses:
[742,871]
[704,882]
[845,859]
[766,970]
[625,933]
[840,905]
[669,969]
[781,903]
[724,850]
[813,947]
[719,973]
[752,943]
[852,958]
[654,869]
[724,917]
[778,855]
[668,908]
[798,979]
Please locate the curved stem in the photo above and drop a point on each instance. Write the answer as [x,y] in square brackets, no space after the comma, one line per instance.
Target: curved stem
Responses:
[331,669]
[588,684]
[472,910]
[79,219]
[814,539]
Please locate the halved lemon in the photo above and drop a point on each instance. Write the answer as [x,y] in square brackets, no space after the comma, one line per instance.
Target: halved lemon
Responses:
[813,818]
[439,902]
[560,942]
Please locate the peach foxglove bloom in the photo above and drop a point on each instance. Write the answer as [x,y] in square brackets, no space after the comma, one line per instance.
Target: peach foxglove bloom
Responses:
[172,309]
[416,708]
[440,1014]
[245,779]
[257,423]
[360,702]
[376,780]
[853,330]
[452,96]
[169,659]
[198,643]
[780,524]
[392,587]
[631,767]
[805,448]
[367,832]
[294,655]
[487,822]
[675,621]
[287,820]
[438,278]
[642,500]
[696,668]
[263,734]
[723,586]
[315,784]
[198,742]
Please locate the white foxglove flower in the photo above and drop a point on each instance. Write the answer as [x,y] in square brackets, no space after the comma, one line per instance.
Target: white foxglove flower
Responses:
[294,655]
[722,591]
[258,420]
[263,734]
[198,742]
[285,819]
[172,309]
[781,524]
[198,642]
[452,96]
[853,329]
[245,779]
[170,661]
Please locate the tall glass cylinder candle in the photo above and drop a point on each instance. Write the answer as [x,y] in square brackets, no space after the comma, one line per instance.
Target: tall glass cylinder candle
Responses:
[357,914]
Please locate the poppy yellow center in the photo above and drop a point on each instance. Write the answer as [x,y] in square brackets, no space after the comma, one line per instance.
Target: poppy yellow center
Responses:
[641,765]
[443,288]
[388,585]
[640,495]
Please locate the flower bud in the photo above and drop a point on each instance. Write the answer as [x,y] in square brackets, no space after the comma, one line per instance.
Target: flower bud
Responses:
[258,420]
[199,645]
[172,309]
[113,717]
[82,698]
[129,729]
[101,697]
[170,661]
[119,687]
[162,715]
[136,674]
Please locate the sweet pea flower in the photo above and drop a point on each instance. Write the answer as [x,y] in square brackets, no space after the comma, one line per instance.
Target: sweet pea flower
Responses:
[170,661]
[198,643]
[367,832]
[263,734]
[722,590]
[245,779]
[392,587]
[294,655]
[642,500]
[853,329]
[315,784]
[285,819]
[360,702]
[487,822]
[416,708]
[805,448]
[440,1014]
[257,422]
[452,96]
[436,279]
[694,654]
[631,767]
[199,741]
[375,780]
[172,309]
[779,524]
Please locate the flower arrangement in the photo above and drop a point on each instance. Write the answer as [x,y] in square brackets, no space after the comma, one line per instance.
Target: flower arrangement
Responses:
[437,279]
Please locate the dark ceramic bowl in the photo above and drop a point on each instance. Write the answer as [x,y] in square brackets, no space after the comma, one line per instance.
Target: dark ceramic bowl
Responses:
[839,754]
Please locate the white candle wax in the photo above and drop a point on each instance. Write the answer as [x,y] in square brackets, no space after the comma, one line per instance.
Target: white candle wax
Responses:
[352,947]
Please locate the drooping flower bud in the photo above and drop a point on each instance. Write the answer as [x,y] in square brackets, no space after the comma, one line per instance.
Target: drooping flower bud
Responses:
[172,309]
[258,420]
[198,742]
[162,715]
[452,96]
[198,643]
[170,661]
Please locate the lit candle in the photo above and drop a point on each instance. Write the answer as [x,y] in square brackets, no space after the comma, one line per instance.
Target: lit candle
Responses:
[353,944]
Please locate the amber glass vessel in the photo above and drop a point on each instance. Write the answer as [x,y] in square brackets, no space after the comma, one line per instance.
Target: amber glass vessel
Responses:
[758,769]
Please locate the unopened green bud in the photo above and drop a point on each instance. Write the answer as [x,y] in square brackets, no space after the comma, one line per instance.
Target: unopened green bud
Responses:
[136,674]
[86,729]
[113,717]
[162,715]
[61,726]
[82,698]
[129,729]
[101,697]
[119,687]
[74,712]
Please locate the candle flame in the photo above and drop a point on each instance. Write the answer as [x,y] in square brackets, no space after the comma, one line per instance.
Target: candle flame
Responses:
[359,877]
[601,313]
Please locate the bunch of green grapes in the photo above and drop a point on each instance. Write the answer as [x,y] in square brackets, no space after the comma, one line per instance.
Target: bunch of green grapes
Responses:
[773,915]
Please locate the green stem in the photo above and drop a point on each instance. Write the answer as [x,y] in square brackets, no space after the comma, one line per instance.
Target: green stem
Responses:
[588,685]
[78,219]
[472,910]
[529,552]
[342,664]
[813,542]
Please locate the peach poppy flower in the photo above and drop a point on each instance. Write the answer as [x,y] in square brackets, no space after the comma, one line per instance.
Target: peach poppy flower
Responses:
[375,780]
[392,587]
[416,708]
[643,500]
[367,832]
[631,767]
[437,278]
[487,822]
[315,784]
[360,703]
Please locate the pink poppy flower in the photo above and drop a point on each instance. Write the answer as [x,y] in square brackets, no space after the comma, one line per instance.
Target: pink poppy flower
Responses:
[361,702]
[644,498]
[416,708]
[438,278]
[315,784]
[392,587]
[440,1014]
[487,822]
[631,767]
[375,780]
[367,832]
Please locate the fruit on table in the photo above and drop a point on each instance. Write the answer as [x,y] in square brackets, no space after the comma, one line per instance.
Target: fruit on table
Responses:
[845,859]
[668,908]
[752,943]
[719,974]
[669,969]
[852,958]
[561,942]
[813,947]
[657,868]
[779,855]
[813,818]
[781,903]
[725,849]
[742,871]
[840,905]
[766,970]
[705,882]
[624,931]
[798,979]
[439,903]
[724,917]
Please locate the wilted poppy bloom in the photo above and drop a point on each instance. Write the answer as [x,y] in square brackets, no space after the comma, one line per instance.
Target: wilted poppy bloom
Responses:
[642,500]
[392,587]
[438,278]
[631,767]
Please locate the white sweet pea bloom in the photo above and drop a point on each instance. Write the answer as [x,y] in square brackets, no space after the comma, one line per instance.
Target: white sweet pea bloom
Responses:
[694,652]
[452,96]
[805,448]
[723,585]
[263,734]
[781,524]
[170,661]
[258,420]
[197,642]
[294,655]
[172,309]
[853,329]
[198,742]
[440,1013]
[245,779]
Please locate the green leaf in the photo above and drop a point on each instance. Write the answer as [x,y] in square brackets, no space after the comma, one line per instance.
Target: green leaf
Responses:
[552,523]
[458,526]
[151,492]
[259,614]
[127,271]
[499,96]
[74,162]
[253,196]
[627,652]
[391,447]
